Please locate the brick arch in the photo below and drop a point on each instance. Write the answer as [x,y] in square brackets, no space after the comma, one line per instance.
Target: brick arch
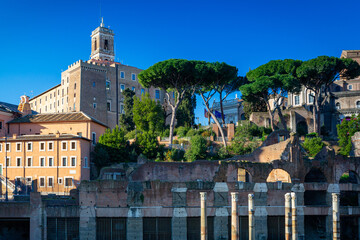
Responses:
[315,175]
[349,176]
[278,174]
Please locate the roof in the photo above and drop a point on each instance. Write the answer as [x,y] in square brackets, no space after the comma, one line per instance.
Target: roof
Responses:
[8,107]
[43,137]
[45,91]
[56,117]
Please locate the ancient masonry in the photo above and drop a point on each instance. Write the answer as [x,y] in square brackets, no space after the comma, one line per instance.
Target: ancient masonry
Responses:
[240,198]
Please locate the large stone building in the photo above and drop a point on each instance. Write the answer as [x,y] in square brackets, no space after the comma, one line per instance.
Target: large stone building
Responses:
[95,86]
[163,200]
[48,152]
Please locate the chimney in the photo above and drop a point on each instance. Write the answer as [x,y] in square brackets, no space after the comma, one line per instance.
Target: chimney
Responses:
[24,106]
[14,136]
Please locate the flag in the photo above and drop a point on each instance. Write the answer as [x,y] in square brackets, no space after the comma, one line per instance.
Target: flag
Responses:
[217,114]
[206,114]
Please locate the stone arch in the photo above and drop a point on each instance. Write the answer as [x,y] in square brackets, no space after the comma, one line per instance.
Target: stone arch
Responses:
[302,128]
[243,175]
[349,177]
[315,175]
[279,174]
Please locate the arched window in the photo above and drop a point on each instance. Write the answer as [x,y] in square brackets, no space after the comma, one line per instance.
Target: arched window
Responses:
[358,104]
[337,106]
[278,175]
[311,98]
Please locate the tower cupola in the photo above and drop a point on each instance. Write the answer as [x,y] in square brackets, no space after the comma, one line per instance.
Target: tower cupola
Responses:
[102,43]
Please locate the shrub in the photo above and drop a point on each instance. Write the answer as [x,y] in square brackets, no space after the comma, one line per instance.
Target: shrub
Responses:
[346,129]
[313,145]
[192,132]
[130,135]
[223,153]
[175,155]
[197,149]
[165,133]
[181,131]
[175,141]
[147,144]
[208,133]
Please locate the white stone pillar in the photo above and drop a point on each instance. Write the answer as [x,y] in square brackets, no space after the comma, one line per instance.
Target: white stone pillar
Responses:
[203,218]
[293,216]
[336,216]
[234,216]
[251,217]
[287,216]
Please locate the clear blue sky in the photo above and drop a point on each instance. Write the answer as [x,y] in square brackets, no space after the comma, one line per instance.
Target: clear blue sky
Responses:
[39,39]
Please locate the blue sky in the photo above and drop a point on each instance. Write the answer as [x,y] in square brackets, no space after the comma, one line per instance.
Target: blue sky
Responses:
[39,39]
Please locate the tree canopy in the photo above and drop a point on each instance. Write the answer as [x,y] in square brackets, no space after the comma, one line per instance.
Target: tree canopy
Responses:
[273,80]
[173,75]
[322,72]
[147,114]
[126,119]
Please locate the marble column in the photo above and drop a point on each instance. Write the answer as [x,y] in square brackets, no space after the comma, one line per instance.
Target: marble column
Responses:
[251,217]
[203,218]
[293,216]
[234,216]
[336,216]
[287,216]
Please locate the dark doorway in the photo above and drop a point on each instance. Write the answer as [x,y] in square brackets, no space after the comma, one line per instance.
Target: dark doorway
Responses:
[15,228]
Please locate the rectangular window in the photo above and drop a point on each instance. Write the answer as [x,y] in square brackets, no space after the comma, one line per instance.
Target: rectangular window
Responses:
[29,147]
[158,228]
[50,181]
[18,161]
[41,181]
[133,76]
[122,111]
[112,228]
[122,87]
[42,146]
[311,98]
[73,161]
[108,106]
[157,94]
[73,145]
[122,75]
[107,86]
[93,138]
[50,146]
[29,161]
[60,180]
[18,147]
[85,162]
[42,162]
[61,228]
[64,146]
[64,161]
[8,163]
[297,100]
[68,182]
[8,147]
[1,124]
[0,147]
[50,161]
[133,89]
[28,181]
[142,91]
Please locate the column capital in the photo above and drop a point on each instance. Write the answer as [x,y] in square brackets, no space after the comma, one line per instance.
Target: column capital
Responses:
[335,197]
[251,196]
[203,196]
[287,196]
[234,196]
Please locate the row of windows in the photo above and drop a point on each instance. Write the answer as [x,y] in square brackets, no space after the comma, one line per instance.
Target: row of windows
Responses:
[68,181]
[42,146]
[297,99]
[43,162]
[338,105]
[51,95]
[108,83]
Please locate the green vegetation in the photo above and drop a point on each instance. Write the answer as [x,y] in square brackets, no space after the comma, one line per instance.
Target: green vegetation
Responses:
[146,143]
[346,129]
[272,81]
[185,115]
[148,114]
[197,149]
[313,144]
[126,119]
[111,148]
[322,72]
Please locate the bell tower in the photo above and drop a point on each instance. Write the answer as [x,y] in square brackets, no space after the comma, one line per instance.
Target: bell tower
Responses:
[102,43]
